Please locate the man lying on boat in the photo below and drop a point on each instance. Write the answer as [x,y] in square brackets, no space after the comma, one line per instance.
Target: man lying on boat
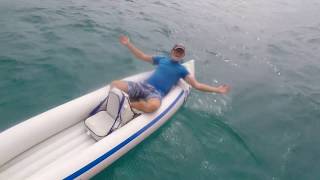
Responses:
[167,73]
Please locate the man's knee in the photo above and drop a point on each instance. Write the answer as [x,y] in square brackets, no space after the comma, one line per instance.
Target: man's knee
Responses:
[120,85]
[115,83]
[153,105]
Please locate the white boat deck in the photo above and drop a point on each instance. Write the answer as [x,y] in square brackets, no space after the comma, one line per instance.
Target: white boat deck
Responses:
[68,142]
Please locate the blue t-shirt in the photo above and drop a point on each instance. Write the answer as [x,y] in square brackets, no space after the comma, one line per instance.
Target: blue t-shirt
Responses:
[167,74]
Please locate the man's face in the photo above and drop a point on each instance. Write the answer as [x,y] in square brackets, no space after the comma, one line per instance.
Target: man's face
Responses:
[177,54]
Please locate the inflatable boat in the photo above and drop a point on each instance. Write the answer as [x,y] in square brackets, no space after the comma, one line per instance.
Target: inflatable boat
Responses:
[59,143]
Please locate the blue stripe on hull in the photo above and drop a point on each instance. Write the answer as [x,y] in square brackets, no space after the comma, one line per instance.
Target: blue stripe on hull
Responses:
[122,144]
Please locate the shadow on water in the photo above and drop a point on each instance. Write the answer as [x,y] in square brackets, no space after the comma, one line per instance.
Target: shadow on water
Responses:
[227,129]
[238,138]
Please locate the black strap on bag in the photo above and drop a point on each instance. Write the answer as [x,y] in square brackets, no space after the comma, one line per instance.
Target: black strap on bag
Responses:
[135,114]
[96,109]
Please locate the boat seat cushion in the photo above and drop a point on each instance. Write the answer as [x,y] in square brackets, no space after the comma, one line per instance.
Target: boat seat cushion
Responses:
[114,101]
[116,114]
[100,124]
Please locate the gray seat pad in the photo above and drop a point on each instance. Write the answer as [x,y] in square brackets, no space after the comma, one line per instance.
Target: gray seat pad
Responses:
[100,123]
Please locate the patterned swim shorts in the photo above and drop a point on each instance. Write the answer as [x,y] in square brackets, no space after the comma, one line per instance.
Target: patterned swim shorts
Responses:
[142,90]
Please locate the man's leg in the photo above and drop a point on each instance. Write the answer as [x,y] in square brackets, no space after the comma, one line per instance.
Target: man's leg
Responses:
[148,106]
[122,85]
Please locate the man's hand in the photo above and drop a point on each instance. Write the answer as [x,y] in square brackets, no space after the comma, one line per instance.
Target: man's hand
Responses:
[223,89]
[124,40]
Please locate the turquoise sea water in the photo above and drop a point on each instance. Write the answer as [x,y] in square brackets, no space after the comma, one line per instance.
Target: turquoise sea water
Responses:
[267,127]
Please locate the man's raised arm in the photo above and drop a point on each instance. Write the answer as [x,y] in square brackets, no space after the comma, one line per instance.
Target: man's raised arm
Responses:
[124,40]
[223,89]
